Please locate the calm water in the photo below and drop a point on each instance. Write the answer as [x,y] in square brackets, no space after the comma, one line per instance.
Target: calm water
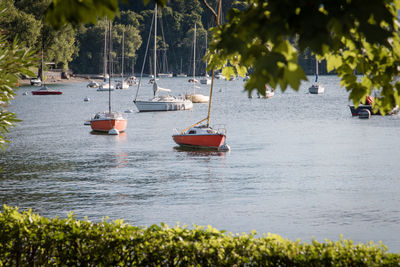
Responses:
[300,166]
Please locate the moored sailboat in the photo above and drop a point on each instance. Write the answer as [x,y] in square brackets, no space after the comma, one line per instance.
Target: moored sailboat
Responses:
[44,90]
[110,122]
[195,97]
[200,135]
[160,102]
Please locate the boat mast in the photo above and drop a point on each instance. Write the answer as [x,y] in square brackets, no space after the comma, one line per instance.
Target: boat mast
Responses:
[109,68]
[194,59]
[155,48]
[122,69]
[42,74]
[212,75]
[105,53]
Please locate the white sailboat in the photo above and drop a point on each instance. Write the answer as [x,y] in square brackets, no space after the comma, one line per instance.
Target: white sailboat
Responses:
[206,79]
[160,102]
[106,86]
[196,98]
[122,84]
[316,88]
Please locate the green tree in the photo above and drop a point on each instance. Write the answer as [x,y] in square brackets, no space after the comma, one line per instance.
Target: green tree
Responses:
[15,61]
[350,35]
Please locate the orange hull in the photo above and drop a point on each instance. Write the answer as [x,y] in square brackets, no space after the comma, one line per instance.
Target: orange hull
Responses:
[207,140]
[104,125]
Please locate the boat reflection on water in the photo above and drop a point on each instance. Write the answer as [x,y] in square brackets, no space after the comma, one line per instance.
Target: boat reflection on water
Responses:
[122,136]
[192,151]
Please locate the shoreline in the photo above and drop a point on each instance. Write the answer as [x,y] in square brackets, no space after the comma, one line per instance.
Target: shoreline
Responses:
[73,79]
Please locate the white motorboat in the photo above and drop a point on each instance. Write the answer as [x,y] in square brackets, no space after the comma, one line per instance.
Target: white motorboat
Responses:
[106,87]
[316,88]
[122,85]
[93,84]
[36,81]
[205,80]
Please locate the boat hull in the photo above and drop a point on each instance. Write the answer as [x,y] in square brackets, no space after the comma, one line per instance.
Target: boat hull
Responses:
[200,141]
[205,81]
[46,93]
[316,89]
[105,125]
[198,98]
[147,106]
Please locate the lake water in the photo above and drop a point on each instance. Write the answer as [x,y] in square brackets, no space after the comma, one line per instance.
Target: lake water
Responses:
[300,166]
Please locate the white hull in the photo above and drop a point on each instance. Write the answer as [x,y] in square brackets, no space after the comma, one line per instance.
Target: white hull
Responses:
[198,98]
[205,80]
[123,85]
[165,75]
[316,89]
[105,87]
[160,105]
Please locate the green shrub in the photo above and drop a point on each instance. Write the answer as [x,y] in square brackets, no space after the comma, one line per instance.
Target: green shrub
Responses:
[26,239]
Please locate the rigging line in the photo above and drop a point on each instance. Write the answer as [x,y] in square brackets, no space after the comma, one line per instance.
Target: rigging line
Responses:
[144,59]
[164,57]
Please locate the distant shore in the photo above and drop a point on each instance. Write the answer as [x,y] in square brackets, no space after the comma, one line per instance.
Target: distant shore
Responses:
[53,80]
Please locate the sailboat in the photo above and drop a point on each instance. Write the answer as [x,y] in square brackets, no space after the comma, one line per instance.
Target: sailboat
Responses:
[44,90]
[160,102]
[200,135]
[206,79]
[316,88]
[196,98]
[122,84]
[109,121]
[106,86]
[181,74]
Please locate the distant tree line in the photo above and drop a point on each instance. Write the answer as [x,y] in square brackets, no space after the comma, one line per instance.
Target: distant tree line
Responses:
[82,48]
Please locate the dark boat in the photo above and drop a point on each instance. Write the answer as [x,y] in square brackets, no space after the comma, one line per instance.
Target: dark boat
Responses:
[45,91]
[356,111]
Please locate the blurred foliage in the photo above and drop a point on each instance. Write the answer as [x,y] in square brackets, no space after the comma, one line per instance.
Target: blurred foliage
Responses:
[27,239]
[15,61]
[351,35]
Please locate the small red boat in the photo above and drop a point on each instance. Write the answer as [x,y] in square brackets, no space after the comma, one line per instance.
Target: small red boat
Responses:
[201,136]
[112,123]
[46,91]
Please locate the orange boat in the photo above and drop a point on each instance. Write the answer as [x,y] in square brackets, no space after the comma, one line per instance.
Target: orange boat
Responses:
[108,122]
[203,136]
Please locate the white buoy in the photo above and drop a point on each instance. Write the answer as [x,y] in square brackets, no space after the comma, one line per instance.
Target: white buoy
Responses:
[224,148]
[364,114]
[113,131]
[129,111]
[86,99]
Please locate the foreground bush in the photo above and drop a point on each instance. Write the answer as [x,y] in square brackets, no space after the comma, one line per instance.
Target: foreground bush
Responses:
[26,239]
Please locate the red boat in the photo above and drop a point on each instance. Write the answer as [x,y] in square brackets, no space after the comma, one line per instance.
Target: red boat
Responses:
[112,123]
[46,91]
[109,122]
[201,136]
